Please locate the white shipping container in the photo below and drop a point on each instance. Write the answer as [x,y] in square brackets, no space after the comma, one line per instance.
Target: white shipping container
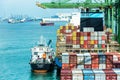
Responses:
[102,66]
[99,74]
[68,31]
[101,33]
[85,37]
[78,30]
[80,58]
[65,57]
[103,41]
[92,37]
[76,46]
[85,29]
[95,46]
[117,71]
[77,74]
[96,38]
[96,34]
[115,58]
[80,66]
[99,42]
[87,59]
[92,34]
[91,29]
[99,38]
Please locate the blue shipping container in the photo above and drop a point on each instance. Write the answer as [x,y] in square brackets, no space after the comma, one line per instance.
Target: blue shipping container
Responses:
[88,74]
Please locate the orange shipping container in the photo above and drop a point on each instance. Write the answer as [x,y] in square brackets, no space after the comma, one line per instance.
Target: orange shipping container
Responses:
[65,66]
[95,66]
[95,41]
[85,46]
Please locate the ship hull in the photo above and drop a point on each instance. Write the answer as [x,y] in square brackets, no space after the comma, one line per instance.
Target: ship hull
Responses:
[46,24]
[41,67]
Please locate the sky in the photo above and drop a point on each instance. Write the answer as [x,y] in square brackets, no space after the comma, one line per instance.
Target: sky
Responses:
[25,7]
[28,7]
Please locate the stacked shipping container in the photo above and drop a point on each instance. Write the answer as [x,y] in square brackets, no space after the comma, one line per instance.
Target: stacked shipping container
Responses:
[90,60]
[87,66]
[90,74]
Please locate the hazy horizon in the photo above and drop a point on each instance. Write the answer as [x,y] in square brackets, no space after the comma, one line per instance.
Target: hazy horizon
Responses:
[26,7]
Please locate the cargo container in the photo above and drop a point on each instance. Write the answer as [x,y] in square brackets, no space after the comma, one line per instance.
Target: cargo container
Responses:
[116,64]
[99,74]
[88,74]
[79,66]
[65,57]
[65,66]
[87,59]
[80,59]
[110,74]
[77,74]
[117,71]
[66,74]
[73,58]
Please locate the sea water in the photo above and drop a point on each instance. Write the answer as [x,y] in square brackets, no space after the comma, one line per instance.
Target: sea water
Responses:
[16,41]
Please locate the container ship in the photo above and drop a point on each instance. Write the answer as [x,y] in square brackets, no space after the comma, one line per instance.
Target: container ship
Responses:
[42,58]
[88,51]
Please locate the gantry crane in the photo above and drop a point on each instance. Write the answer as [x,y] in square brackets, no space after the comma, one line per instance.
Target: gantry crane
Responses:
[72,4]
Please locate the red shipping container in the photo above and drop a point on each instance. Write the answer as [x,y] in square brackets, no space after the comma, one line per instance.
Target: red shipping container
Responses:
[109,66]
[81,34]
[103,37]
[87,66]
[110,74]
[85,33]
[103,46]
[82,46]
[74,42]
[89,42]
[69,37]
[90,46]
[85,42]
[66,77]
[88,34]
[78,34]
[73,58]
[95,41]
[69,41]
[66,74]
[78,42]
[95,59]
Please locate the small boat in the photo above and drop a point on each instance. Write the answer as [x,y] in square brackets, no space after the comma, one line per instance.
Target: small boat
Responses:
[46,23]
[42,58]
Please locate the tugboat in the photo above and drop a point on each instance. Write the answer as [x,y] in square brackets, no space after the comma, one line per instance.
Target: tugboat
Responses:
[42,58]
